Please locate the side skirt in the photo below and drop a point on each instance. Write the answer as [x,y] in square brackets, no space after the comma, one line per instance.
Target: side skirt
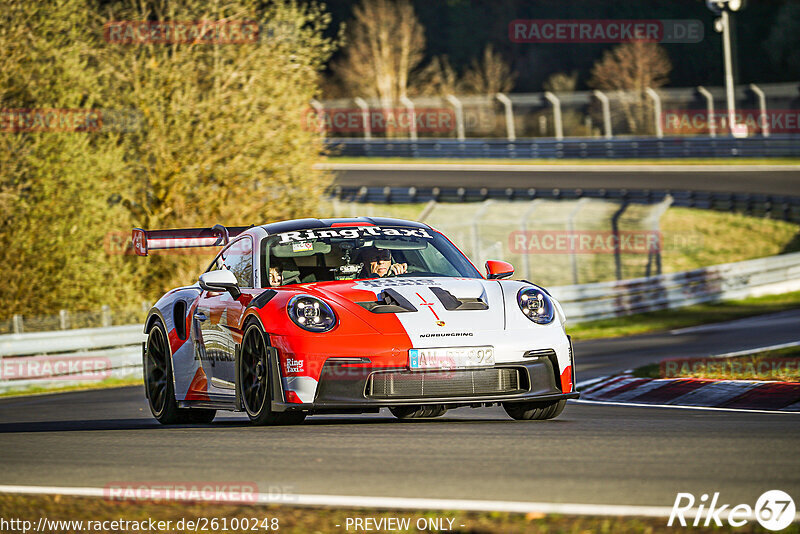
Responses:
[227,405]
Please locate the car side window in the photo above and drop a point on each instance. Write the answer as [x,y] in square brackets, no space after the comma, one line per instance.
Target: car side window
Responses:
[238,258]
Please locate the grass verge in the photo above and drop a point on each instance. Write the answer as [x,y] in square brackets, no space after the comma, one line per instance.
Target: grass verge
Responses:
[779,364]
[304,520]
[107,383]
[644,323]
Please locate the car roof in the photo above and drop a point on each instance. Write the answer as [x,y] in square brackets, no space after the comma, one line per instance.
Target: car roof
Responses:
[310,224]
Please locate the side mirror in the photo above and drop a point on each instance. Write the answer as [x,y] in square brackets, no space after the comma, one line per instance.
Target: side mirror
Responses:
[496,270]
[220,280]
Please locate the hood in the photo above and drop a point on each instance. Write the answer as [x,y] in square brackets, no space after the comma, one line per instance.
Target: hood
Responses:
[434,308]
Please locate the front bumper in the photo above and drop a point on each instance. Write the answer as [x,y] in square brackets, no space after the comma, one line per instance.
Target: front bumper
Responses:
[358,387]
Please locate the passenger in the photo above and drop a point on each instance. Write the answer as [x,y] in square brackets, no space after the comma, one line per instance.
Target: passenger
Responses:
[275,276]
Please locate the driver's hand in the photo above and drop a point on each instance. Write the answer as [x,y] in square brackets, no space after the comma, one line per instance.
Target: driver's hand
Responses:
[398,268]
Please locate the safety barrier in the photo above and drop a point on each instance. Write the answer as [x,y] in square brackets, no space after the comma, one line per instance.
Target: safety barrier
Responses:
[603,300]
[119,348]
[782,207]
[775,146]
[55,359]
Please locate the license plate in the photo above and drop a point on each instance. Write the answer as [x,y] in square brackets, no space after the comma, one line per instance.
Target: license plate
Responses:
[450,358]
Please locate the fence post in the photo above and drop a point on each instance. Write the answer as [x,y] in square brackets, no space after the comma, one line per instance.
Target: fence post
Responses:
[526,261]
[63,318]
[509,112]
[573,260]
[615,231]
[476,247]
[712,121]
[656,110]
[319,109]
[654,219]
[17,326]
[106,315]
[559,126]
[426,211]
[412,129]
[362,104]
[459,108]
[762,107]
[606,106]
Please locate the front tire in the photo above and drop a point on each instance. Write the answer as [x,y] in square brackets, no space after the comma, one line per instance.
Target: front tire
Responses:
[534,411]
[255,384]
[160,386]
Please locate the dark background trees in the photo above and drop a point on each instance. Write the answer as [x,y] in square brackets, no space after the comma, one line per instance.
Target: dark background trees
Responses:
[767,37]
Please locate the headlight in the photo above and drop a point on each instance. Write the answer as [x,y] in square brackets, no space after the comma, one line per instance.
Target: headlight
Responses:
[311,313]
[536,305]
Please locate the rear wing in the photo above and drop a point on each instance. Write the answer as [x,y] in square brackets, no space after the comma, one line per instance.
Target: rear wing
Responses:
[218,235]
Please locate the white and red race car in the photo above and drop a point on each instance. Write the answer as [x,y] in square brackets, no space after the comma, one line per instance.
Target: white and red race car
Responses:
[318,316]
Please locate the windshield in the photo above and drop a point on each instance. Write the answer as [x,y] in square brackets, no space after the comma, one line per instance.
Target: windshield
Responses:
[350,253]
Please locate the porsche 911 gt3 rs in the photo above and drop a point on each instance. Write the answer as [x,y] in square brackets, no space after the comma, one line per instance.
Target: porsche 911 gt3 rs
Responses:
[352,315]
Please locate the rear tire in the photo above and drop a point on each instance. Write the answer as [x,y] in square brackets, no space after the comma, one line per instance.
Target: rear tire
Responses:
[160,386]
[534,411]
[418,412]
[255,384]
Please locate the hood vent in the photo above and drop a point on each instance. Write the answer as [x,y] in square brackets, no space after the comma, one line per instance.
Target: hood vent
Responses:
[389,301]
[451,303]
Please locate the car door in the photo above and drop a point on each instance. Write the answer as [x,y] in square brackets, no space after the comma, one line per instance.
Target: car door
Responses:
[218,316]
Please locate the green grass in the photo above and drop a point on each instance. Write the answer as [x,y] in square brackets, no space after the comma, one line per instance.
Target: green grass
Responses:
[644,323]
[305,520]
[592,162]
[756,366]
[102,384]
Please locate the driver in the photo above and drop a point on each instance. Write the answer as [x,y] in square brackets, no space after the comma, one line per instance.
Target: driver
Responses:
[379,262]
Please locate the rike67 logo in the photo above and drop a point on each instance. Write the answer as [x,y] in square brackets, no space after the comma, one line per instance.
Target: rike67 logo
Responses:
[774,510]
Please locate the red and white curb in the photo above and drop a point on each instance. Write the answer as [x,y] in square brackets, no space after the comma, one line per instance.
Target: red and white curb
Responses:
[695,392]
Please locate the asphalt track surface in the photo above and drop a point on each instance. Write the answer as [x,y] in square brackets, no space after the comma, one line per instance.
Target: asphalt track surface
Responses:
[778,180]
[591,454]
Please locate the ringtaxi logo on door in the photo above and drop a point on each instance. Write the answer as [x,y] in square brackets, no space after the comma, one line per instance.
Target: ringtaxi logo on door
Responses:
[774,510]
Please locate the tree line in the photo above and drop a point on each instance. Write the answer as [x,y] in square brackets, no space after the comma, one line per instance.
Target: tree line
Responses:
[218,137]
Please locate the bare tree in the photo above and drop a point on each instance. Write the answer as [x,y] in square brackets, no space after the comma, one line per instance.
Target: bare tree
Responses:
[561,82]
[385,43]
[632,68]
[489,75]
[437,78]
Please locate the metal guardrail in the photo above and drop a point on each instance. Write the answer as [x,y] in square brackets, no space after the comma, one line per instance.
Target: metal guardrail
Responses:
[782,207]
[775,146]
[603,300]
[70,340]
[70,357]
[120,347]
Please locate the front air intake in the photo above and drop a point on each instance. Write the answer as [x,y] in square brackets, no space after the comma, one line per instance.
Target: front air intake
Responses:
[457,383]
